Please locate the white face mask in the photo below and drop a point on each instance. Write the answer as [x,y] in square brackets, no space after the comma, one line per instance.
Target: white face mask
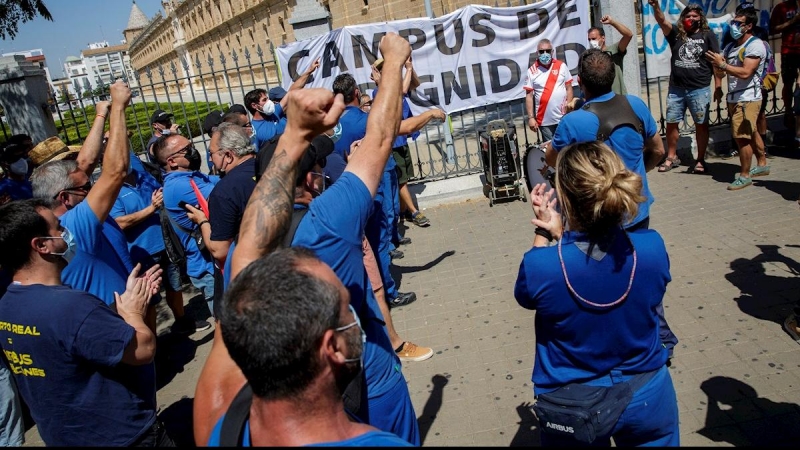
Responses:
[267,109]
[594,43]
[19,167]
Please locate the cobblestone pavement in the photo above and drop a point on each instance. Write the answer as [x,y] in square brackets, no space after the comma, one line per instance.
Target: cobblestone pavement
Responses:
[735,260]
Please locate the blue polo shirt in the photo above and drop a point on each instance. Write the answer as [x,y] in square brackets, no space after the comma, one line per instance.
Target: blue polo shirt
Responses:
[576,342]
[268,128]
[102,262]
[334,228]
[368,439]
[177,187]
[354,127]
[581,126]
[145,238]
[65,350]
[228,200]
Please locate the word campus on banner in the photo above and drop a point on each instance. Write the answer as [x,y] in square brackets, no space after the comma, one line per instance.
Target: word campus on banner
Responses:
[472,57]
[718,13]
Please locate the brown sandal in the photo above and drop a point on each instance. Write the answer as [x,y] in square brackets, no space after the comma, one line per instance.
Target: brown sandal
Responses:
[673,163]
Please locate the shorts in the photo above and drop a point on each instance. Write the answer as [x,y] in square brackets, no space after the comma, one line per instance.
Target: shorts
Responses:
[405,166]
[743,118]
[790,64]
[697,100]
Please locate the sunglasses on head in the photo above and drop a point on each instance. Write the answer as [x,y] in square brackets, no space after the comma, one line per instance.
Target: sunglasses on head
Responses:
[545,50]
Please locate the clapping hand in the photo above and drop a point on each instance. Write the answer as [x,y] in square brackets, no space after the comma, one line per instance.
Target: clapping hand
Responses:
[544,208]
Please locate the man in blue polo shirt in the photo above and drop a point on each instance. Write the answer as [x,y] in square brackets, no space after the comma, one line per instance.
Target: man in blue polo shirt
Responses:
[136,211]
[596,73]
[102,261]
[333,229]
[181,163]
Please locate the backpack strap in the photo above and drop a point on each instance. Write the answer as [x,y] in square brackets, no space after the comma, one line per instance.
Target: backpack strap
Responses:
[235,418]
[612,114]
[297,216]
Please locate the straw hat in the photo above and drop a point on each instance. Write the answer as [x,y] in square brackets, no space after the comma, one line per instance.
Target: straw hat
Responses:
[52,149]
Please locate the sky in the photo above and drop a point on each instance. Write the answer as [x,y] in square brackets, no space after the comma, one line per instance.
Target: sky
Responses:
[76,23]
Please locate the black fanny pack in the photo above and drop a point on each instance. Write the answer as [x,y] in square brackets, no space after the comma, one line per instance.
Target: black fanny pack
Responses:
[585,412]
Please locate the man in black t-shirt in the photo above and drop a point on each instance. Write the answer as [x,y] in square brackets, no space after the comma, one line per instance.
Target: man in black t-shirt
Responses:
[689,80]
[233,154]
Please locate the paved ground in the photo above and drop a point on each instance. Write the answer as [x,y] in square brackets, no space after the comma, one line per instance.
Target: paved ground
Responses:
[735,259]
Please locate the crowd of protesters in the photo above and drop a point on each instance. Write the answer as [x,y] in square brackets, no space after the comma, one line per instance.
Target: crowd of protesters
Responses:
[289,234]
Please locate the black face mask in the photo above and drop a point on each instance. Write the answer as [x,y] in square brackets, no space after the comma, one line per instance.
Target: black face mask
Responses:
[193,156]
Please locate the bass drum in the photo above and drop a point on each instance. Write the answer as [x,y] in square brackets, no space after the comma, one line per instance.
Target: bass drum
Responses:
[536,169]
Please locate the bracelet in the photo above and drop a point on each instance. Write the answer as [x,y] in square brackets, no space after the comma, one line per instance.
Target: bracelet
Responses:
[544,233]
[202,223]
[722,66]
[100,115]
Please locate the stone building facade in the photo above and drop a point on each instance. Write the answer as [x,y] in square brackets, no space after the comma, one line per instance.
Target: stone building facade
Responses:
[230,43]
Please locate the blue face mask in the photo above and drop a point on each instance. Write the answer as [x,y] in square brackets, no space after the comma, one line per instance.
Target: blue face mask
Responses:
[357,323]
[72,246]
[545,58]
[337,133]
[736,32]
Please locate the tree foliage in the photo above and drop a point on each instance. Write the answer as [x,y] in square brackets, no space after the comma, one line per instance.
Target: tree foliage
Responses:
[15,12]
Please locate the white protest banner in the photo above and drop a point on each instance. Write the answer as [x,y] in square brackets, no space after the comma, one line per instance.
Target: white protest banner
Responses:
[472,57]
[718,13]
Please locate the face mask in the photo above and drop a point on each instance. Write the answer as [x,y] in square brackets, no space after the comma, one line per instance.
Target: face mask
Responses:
[688,24]
[193,156]
[267,109]
[736,32]
[69,253]
[357,323]
[594,43]
[545,59]
[20,167]
[337,133]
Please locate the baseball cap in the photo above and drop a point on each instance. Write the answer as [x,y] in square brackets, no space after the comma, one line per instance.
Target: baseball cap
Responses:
[160,115]
[320,147]
[237,108]
[276,94]
[212,120]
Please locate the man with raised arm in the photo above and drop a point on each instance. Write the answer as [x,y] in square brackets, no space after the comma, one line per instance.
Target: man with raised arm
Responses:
[333,229]
[102,261]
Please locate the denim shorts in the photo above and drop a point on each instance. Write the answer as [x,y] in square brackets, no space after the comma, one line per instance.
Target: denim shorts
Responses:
[697,100]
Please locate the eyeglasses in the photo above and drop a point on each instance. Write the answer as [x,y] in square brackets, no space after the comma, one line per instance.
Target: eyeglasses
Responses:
[247,125]
[545,50]
[737,23]
[183,150]
[82,190]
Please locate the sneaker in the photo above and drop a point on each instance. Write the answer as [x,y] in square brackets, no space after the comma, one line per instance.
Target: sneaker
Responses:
[733,154]
[412,352]
[759,171]
[420,220]
[404,241]
[403,299]
[740,183]
[791,327]
[186,326]
[396,254]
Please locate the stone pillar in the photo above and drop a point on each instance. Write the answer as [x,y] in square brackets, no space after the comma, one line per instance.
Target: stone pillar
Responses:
[625,13]
[309,19]
[24,94]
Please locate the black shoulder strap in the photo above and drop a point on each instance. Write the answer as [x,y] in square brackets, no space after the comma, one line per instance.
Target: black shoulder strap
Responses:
[613,114]
[231,433]
[297,216]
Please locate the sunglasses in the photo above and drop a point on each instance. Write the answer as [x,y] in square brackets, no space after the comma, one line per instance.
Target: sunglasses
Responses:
[183,150]
[82,190]
[545,50]
[737,23]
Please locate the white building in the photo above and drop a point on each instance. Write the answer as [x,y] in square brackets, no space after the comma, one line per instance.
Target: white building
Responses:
[35,56]
[105,63]
[78,76]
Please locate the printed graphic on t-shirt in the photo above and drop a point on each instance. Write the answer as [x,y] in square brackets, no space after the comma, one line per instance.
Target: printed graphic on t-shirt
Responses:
[690,54]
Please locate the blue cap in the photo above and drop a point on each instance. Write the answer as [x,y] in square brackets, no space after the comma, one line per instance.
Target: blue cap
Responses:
[276,94]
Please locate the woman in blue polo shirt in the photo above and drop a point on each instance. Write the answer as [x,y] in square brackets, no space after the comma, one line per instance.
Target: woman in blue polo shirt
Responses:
[595,293]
